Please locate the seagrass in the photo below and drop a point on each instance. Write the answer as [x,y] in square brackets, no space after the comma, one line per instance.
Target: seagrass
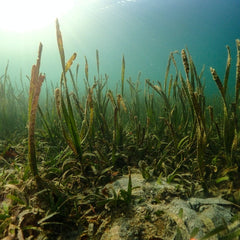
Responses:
[103,131]
[237,71]
[34,92]
[122,75]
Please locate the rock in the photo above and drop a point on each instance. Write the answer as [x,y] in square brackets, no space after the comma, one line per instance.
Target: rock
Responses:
[158,213]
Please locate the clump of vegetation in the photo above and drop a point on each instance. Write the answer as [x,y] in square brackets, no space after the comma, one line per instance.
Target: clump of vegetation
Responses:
[79,143]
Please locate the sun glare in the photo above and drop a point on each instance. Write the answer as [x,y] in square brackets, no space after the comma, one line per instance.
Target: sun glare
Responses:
[29,15]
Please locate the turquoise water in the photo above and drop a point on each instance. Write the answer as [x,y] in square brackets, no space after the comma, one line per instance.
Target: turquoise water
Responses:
[145,31]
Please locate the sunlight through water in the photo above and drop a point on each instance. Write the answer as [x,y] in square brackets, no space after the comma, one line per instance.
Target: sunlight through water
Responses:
[29,15]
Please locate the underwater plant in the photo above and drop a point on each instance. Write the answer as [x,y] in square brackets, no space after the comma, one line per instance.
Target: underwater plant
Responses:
[34,92]
[165,131]
[230,127]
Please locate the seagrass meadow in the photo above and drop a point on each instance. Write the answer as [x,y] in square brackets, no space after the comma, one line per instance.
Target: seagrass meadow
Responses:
[59,152]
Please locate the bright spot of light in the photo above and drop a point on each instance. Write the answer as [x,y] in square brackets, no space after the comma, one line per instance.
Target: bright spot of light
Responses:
[28,15]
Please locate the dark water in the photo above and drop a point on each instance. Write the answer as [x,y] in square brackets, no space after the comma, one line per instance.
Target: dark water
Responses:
[145,31]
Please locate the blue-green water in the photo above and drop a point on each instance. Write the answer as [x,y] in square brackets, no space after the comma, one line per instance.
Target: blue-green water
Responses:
[145,31]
